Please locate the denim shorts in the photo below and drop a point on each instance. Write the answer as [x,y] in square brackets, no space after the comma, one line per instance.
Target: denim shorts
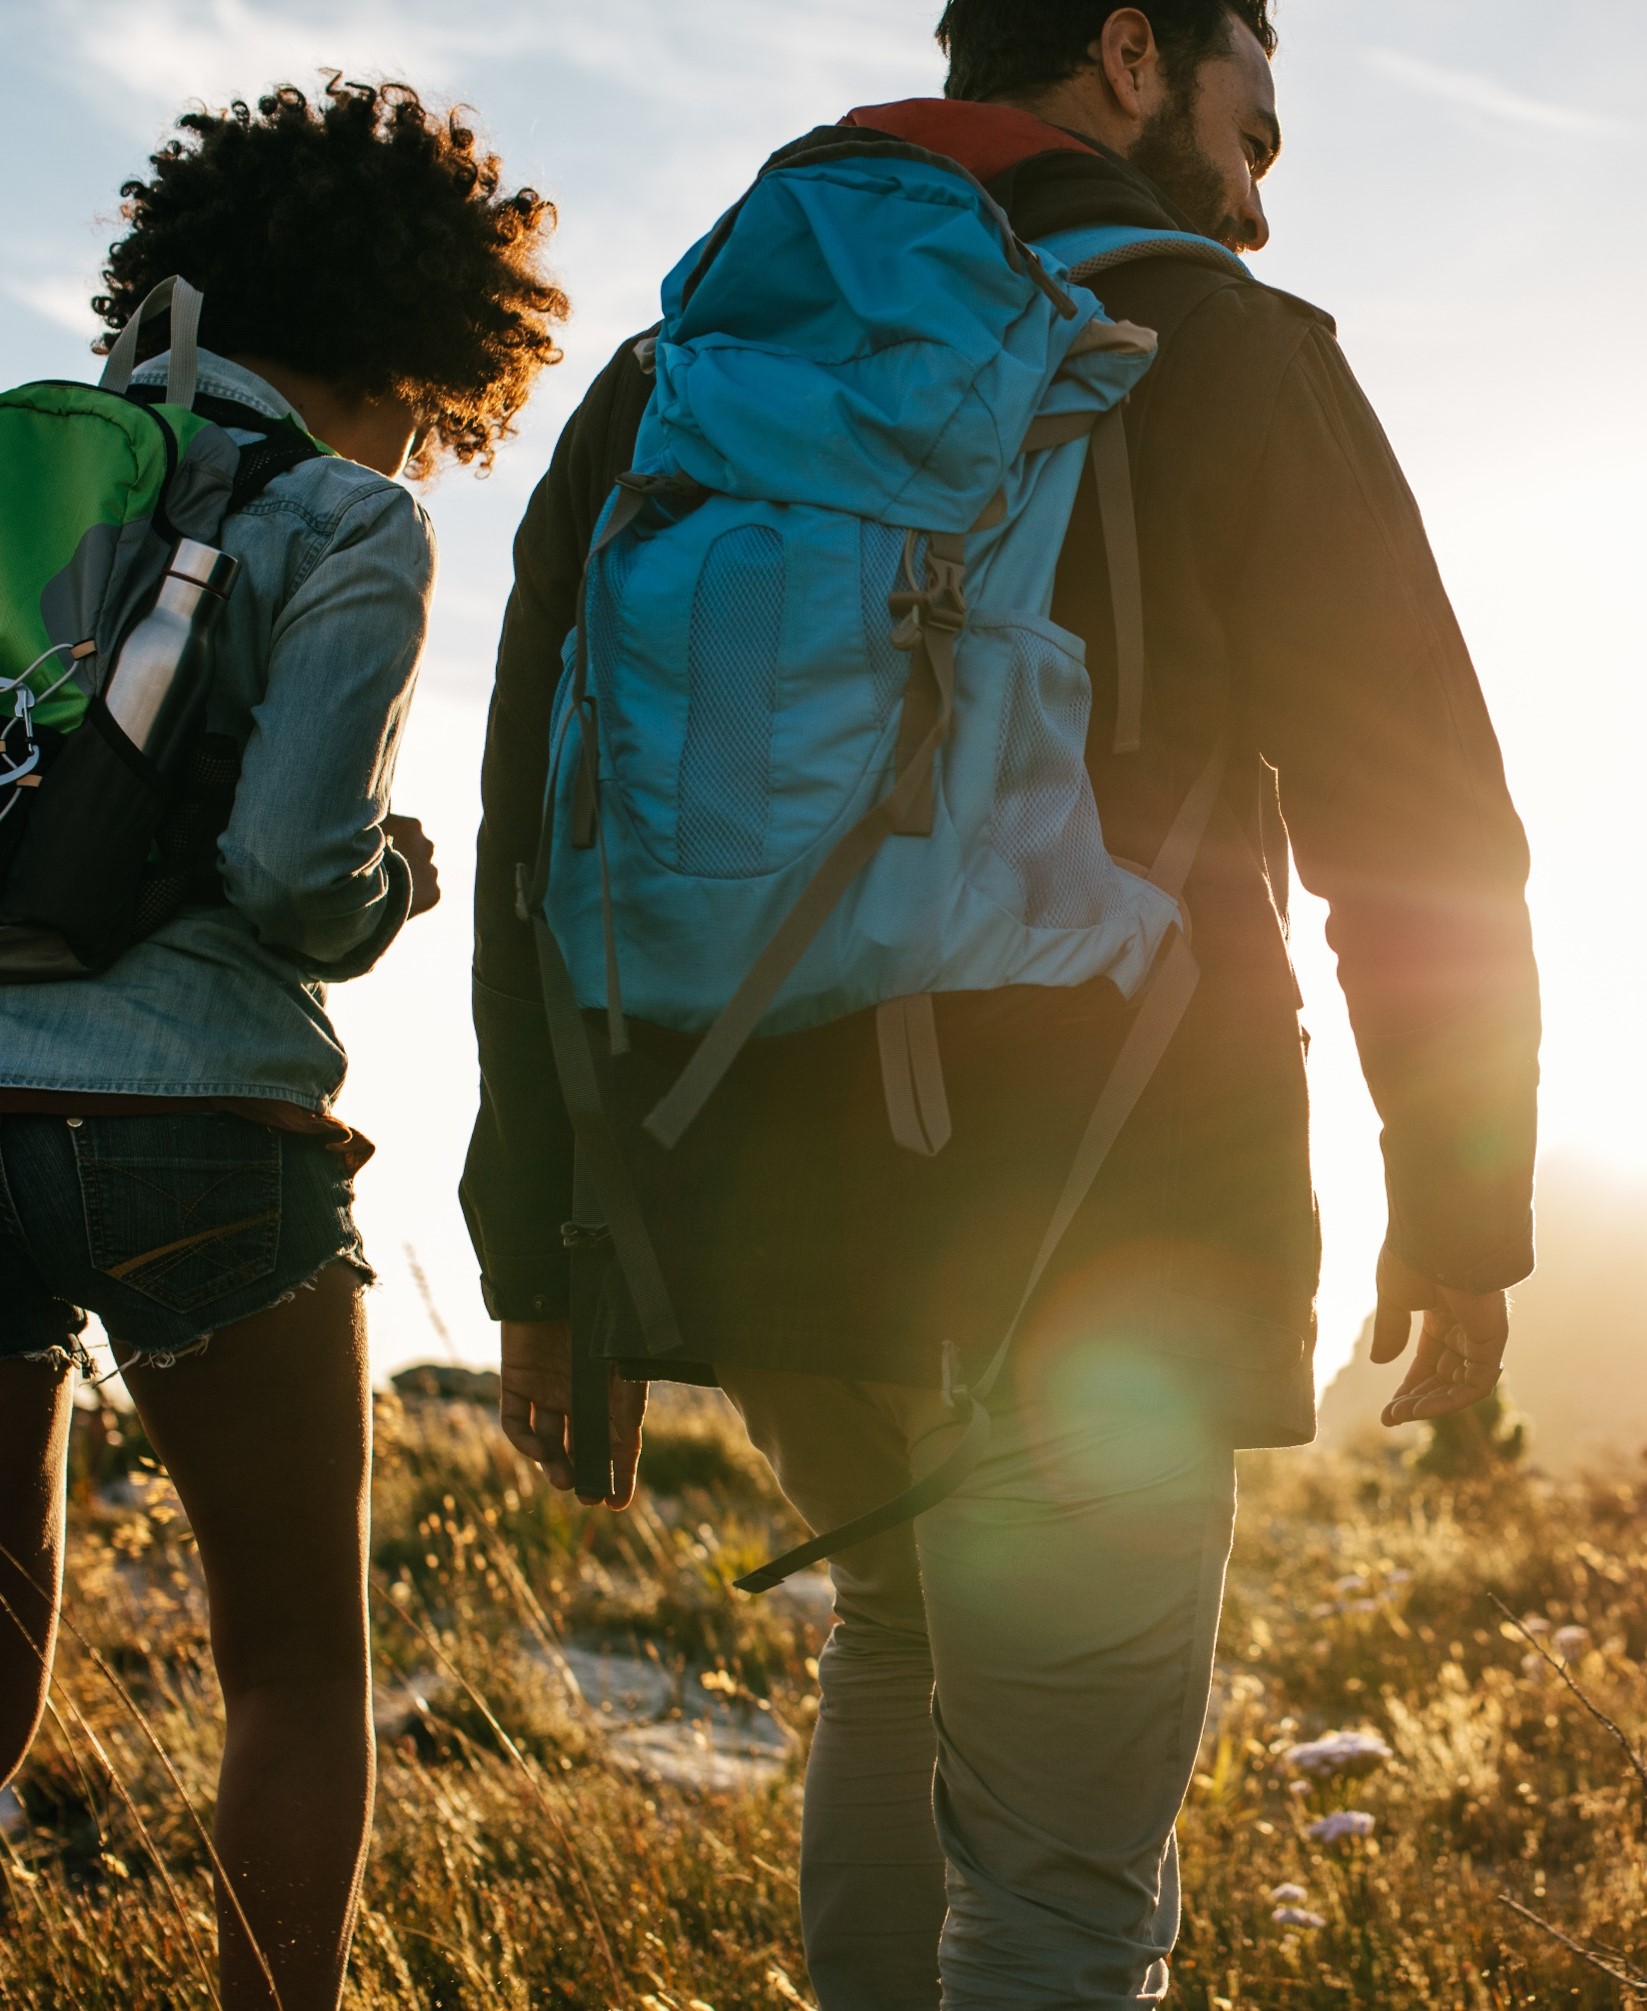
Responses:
[167,1227]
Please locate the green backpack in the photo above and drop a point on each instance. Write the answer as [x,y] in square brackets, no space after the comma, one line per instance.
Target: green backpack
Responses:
[112,505]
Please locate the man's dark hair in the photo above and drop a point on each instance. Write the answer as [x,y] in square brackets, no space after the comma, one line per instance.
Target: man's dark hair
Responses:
[996,47]
[362,239]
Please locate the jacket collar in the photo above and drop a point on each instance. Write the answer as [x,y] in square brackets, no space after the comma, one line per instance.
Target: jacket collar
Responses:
[1046,177]
[219,378]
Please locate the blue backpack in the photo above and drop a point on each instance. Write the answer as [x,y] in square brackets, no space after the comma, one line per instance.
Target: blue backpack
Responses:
[819,749]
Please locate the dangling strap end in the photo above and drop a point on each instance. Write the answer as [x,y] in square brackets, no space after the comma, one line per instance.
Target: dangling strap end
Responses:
[664,1127]
[585,810]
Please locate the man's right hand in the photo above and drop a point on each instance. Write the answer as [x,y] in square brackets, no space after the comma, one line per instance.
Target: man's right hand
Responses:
[1460,1346]
[414,845]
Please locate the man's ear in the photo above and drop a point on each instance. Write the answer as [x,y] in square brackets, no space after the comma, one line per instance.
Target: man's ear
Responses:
[1127,56]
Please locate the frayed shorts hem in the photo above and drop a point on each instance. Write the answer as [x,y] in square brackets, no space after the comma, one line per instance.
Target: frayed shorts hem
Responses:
[171,1356]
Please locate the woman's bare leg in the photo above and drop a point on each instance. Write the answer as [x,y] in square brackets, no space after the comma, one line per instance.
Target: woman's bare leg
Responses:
[267,1437]
[36,1401]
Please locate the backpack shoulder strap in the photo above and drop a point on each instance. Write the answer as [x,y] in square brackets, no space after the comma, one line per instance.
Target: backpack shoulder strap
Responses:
[284,447]
[282,443]
[1099,248]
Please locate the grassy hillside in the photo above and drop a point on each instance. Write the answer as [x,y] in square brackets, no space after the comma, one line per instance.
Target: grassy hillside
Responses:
[591,1751]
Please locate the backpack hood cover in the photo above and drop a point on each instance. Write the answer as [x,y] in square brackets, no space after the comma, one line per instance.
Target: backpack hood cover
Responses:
[861,335]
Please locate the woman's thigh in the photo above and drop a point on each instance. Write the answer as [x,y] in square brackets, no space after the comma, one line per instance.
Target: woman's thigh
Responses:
[267,1436]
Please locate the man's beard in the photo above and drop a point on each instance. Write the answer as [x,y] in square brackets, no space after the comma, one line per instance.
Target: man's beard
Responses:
[1167,152]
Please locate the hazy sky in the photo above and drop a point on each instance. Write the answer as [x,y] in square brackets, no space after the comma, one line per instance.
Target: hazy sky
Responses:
[1459,186]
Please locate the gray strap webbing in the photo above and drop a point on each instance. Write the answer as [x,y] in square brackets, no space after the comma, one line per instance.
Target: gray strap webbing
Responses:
[1123,337]
[591,1373]
[922,699]
[596,1142]
[1160,1014]
[1112,470]
[182,367]
[1177,855]
[912,1074]
[1057,429]
[726,1039]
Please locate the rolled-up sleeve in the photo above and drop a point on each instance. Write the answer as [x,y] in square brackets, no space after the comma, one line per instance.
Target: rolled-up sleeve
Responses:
[305,856]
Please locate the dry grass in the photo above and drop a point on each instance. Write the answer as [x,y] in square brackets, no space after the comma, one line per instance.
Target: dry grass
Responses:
[519,1864]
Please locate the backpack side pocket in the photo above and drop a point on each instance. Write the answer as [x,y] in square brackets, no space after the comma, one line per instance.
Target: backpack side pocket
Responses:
[80,865]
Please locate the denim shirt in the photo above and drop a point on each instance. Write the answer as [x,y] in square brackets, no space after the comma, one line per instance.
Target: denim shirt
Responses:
[316,660]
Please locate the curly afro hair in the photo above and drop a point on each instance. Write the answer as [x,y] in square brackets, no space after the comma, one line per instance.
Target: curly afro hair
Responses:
[362,239]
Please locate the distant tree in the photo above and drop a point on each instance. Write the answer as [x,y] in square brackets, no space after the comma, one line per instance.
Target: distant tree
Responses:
[1474,1443]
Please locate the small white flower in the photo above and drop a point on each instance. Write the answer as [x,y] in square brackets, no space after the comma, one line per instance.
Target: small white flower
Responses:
[1298,1787]
[1353,1582]
[1289,1895]
[1341,1825]
[1325,1610]
[1535,1666]
[1535,1623]
[1296,1916]
[1570,1643]
[1338,1754]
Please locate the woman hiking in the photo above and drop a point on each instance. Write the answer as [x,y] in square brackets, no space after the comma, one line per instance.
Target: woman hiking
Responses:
[169,1160]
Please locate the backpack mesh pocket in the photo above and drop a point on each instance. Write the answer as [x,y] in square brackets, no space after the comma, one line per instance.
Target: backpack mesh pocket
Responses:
[1046,826]
[726,760]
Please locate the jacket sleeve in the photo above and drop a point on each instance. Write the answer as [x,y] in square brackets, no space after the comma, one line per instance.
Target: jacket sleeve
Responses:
[304,855]
[517,1182]
[1400,816]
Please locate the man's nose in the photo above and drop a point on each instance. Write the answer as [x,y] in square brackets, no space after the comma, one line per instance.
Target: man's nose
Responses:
[1252,223]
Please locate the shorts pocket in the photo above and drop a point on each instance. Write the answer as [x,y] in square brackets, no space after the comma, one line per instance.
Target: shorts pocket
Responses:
[181,1209]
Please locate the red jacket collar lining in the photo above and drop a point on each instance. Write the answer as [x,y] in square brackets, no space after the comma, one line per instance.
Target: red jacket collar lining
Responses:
[986,140]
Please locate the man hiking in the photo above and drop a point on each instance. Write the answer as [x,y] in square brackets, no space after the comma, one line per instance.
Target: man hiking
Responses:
[836,1218]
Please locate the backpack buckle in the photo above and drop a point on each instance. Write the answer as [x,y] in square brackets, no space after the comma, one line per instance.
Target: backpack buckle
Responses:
[584,1235]
[943,605]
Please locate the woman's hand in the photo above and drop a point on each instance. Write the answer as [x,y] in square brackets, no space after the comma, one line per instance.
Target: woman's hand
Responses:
[536,1408]
[415,846]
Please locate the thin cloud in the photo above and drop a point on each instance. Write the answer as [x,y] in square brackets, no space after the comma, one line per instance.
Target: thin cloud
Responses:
[140,65]
[63,299]
[653,50]
[1473,92]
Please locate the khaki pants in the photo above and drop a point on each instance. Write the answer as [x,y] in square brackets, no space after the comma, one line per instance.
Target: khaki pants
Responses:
[1015,1688]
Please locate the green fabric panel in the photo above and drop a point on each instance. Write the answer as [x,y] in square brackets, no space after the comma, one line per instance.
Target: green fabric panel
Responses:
[75,458]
